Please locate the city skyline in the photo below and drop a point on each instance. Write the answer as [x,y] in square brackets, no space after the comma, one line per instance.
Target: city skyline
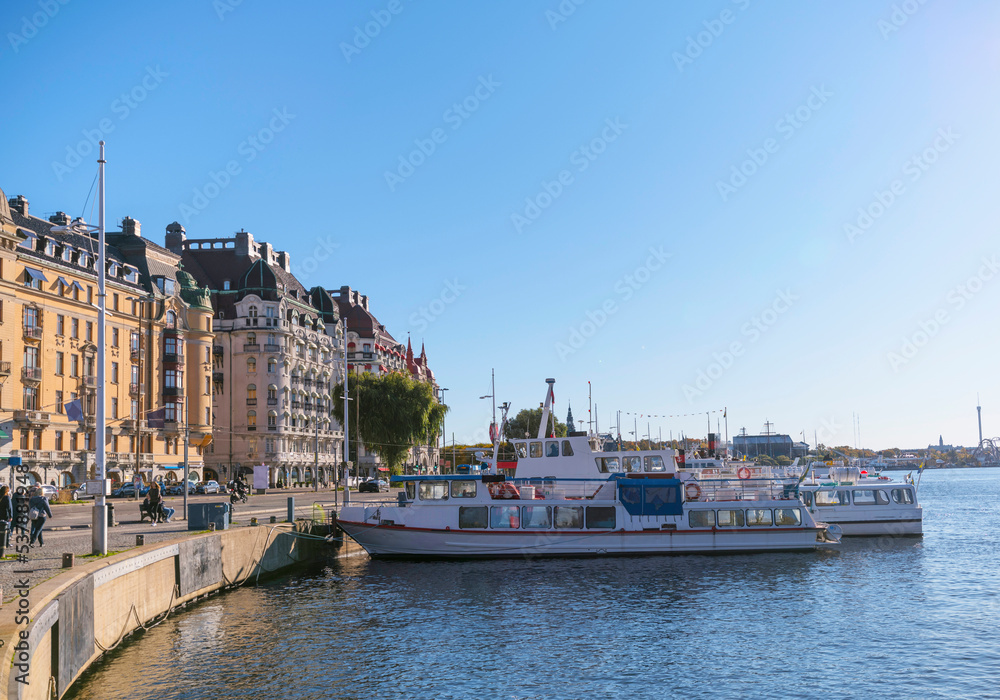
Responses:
[783,212]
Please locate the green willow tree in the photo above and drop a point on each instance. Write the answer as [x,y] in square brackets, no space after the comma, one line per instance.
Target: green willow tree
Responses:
[390,413]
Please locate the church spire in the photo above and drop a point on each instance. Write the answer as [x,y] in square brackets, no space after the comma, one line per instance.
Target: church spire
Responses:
[570,424]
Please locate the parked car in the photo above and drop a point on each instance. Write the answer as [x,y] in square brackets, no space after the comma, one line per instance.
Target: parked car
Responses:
[207,487]
[373,486]
[78,492]
[178,489]
[50,492]
[127,490]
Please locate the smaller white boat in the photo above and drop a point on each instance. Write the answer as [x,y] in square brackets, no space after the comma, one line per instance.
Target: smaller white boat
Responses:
[862,503]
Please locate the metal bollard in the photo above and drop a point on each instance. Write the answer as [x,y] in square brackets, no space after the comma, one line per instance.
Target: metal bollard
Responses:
[211,527]
[253,522]
[140,540]
[68,559]
[274,518]
[291,509]
[111,515]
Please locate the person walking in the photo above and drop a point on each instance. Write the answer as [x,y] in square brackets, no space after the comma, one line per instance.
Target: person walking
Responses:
[155,502]
[38,510]
[6,517]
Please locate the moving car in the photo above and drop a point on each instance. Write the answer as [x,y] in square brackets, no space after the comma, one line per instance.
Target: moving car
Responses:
[207,487]
[178,489]
[78,491]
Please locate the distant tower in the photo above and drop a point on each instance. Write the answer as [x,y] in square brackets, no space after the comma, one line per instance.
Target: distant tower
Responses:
[570,423]
[979,412]
[941,441]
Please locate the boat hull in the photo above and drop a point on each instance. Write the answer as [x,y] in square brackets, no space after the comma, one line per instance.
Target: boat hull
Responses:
[396,541]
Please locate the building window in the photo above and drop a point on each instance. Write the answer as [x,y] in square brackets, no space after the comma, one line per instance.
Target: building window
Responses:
[59,403]
[114,406]
[272,420]
[170,345]
[252,312]
[59,362]
[251,365]
[90,332]
[134,410]
[135,375]
[173,379]
[251,420]
[208,386]
[114,337]
[74,328]
[24,439]
[30,399]
[74,365]
[133,342]
[87,441]
[114,301]
[60,324]
[208,416]
[251,392]
[226,285]
[30,317]
[114,372]
[170,412]
[59,440]
[171,319]
[272,365]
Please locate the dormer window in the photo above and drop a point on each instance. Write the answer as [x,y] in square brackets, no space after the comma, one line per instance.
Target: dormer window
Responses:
[226,285]
[131,274]
[50,248]
[164,284]
[82,260]
[29,241]
[113,269]
[252,312]
[67,254]
[171,319]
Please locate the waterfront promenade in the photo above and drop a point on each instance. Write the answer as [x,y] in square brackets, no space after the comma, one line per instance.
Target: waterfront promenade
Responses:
[69,528]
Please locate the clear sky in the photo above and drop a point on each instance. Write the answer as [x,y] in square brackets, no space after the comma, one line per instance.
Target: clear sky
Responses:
[787,209]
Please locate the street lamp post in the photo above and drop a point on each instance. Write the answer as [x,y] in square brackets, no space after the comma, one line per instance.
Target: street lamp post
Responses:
[444,434]
[99,529]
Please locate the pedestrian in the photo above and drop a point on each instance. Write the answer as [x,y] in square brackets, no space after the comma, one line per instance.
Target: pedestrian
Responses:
[6,517]
[38,509]
[155,502]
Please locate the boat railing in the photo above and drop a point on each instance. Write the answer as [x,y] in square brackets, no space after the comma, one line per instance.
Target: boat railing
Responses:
[737,489]
[549,489]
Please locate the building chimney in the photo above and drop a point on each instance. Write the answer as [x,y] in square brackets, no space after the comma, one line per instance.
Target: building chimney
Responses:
[284,260]
[131,227]
[267,253]
[244,244]
[60,218]
[364,302]
[175,238]
[19,204]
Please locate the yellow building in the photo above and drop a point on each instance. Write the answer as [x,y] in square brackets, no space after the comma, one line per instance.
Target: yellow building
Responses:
[158,357]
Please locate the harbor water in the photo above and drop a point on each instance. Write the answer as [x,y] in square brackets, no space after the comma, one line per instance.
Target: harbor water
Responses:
[890,617]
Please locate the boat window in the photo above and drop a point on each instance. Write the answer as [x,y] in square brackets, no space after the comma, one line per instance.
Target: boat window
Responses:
[472,516]
[833,498]
[607,464]
[602,517]
[787,516]
[536,449]
[630,495]
[411,490]
[567,449]
[536,517]
[881,497]
[864,497]
[807,497]
[632,464]
[654,463]
[902,496]
[522,450]
[701,518]
[433,490]
[731,518]
[505,517]
[757,517]
[463,489]
[552,448]
[568,517]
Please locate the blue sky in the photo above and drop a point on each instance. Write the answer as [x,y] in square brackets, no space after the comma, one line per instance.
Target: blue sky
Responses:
[786,209]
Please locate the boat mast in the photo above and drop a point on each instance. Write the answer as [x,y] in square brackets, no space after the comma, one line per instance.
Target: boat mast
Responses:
[543,426]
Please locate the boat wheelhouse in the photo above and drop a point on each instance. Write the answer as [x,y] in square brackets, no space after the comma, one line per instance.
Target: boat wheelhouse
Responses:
[862,504]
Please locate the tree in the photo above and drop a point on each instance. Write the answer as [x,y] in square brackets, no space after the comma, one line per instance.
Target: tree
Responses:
[525,424]
[394,412]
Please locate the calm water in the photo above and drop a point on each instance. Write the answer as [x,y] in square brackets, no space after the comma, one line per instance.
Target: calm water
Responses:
[913,617]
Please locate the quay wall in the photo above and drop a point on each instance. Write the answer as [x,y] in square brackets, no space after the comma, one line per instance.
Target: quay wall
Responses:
[51,633]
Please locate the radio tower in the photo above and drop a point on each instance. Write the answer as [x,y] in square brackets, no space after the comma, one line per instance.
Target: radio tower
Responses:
[979,413]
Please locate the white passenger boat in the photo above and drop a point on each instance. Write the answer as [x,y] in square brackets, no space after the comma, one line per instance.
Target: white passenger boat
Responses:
[862,504]
[569,499]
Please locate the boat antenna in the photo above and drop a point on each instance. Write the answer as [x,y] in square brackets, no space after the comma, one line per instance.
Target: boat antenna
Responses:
[501,433]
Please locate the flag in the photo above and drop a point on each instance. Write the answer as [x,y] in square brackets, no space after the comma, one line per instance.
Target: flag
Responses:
[154,419]
[74,410]
[724,412]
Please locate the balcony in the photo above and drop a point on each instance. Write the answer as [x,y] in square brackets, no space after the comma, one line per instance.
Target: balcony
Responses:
[31,374]
[31,417]
[131,424]
[217,350]
[173,391]
[298,405]
[251,321]
[171,426]
[271,401]
[134,354]
[136,389]
[217,377]
[89,381]
[4,369]
[270,347]
[251,347]
[251,402]
[32,332]
[173,358]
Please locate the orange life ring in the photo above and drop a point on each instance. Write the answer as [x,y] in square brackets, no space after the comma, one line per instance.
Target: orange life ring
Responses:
[692,491]
[743,473]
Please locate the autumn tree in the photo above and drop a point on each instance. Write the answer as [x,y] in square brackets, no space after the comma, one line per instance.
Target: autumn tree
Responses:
[525,424]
